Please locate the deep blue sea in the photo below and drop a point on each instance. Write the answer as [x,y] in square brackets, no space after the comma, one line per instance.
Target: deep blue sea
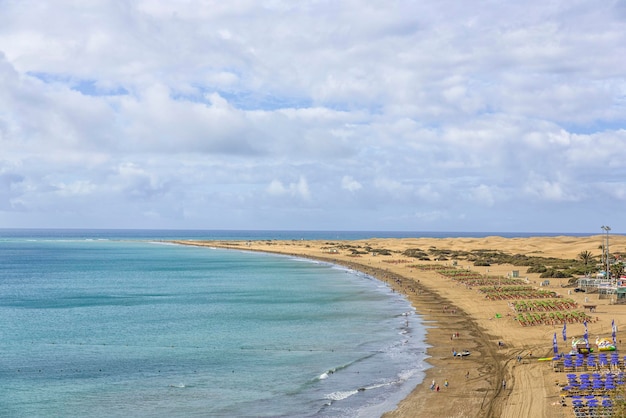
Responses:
[118,323]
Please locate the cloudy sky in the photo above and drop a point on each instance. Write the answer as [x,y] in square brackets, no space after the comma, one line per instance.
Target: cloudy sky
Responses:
[422,115]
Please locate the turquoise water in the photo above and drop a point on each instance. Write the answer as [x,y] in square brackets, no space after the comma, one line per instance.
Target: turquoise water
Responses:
[108,327]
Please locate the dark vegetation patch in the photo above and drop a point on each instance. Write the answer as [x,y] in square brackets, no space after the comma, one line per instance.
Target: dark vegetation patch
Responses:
[547,267]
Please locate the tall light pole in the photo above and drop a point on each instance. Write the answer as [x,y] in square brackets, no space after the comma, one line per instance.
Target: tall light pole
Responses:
[603,248]
[607,258]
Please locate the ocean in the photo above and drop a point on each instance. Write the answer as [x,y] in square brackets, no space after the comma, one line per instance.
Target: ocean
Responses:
[121,323]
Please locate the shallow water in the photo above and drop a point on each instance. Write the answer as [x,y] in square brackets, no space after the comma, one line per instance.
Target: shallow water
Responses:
[105,327]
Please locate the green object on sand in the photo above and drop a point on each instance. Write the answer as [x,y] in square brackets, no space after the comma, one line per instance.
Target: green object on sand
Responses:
[498,315]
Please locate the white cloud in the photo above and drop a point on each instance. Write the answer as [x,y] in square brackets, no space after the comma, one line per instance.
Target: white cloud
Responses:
[74,188]
[175,112]
[350,184]
[393,187]
[299,189]
[483,195]
[556,189]
[276,188]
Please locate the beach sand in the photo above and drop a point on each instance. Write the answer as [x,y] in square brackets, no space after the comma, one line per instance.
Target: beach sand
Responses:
[476,386]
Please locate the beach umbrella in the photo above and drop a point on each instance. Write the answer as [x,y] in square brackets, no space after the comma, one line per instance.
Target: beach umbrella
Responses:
[591,361]
[567,362]
[592,403]
[555,346]
[614,359]
[564,331]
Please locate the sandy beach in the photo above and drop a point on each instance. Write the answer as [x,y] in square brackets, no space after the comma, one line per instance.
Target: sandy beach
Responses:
[502,376]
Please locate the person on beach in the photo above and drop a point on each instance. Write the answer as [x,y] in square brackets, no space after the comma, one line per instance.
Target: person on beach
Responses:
[445,383]
[437,388]
[432,385]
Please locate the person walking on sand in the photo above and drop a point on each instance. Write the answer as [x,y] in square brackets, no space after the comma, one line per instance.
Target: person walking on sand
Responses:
[437,388]
[445,383]
[503,384]
[432,385]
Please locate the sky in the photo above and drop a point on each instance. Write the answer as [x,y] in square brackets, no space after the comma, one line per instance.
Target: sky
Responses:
[376,115]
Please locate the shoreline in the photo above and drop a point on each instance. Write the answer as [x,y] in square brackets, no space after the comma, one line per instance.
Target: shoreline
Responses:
[439,327]
[442,319]
[449,309]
